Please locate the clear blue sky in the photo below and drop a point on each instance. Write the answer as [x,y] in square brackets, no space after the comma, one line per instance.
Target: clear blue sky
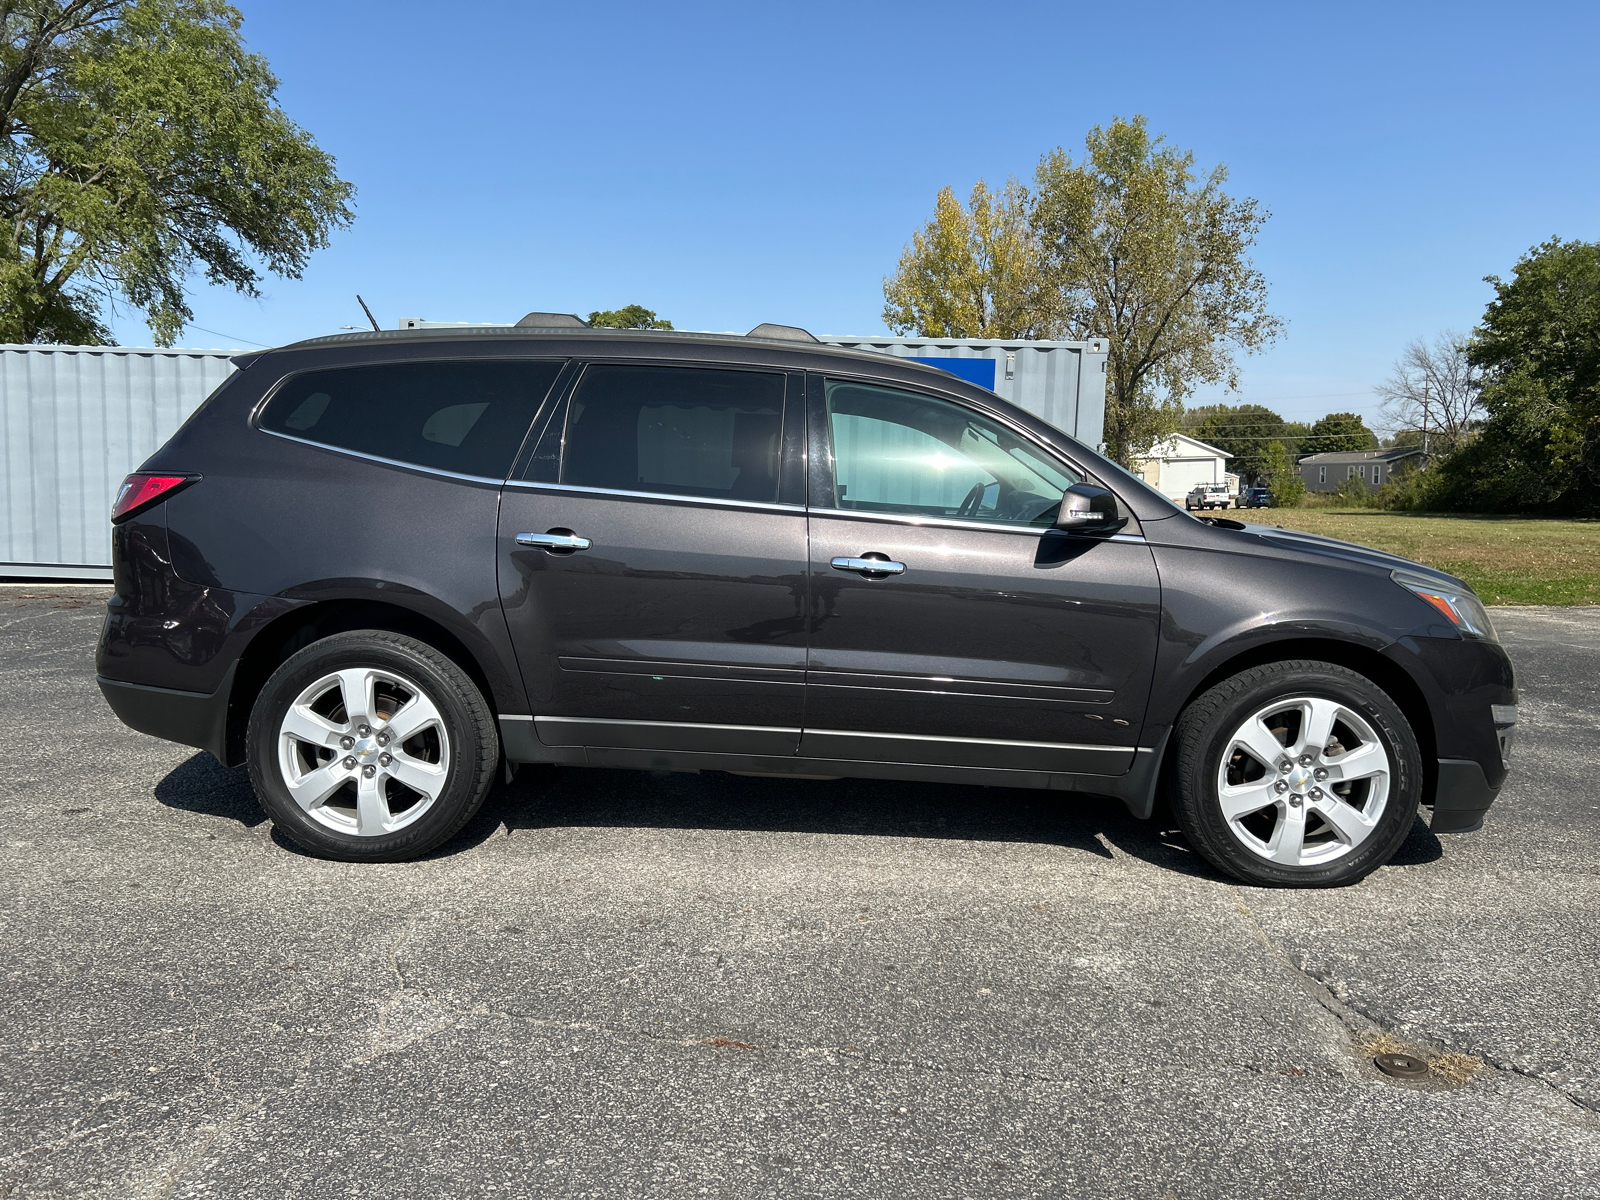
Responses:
[732,164]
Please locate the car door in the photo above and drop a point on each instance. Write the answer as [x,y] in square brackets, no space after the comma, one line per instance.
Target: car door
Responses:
[985,638]
[652,561]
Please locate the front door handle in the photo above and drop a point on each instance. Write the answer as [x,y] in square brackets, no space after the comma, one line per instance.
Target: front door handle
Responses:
[869,566]
[557,541]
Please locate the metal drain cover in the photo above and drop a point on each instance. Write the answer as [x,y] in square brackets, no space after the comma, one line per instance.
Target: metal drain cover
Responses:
[1401,1066]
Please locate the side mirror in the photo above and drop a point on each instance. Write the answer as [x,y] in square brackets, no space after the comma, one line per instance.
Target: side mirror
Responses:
[1090,510]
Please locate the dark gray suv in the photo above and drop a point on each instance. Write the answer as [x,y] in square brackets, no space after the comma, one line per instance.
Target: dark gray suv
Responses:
[383,568]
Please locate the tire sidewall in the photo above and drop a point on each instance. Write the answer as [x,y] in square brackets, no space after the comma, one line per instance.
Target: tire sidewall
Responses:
[446,685]
[1203,741]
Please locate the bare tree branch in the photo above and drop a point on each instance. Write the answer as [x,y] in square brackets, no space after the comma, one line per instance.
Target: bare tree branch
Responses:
[1434,390]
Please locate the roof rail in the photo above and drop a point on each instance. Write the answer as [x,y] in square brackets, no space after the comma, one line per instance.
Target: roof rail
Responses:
[542,320]
[782,333]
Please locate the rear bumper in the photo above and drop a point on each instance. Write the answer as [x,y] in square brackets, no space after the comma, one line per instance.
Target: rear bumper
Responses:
[1463,796]
[197,719]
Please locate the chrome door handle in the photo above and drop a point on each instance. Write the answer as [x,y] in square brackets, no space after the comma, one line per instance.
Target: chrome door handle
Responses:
[554,541]
[869,566]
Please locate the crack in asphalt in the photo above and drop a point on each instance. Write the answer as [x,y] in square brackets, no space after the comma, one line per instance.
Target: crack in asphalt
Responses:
[1359,1020]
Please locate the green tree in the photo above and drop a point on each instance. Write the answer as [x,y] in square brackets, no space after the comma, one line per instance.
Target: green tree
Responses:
[1140,249]
[1246,432]
[971,272]
[634,316]
[1353,493]
[1338,432]
[141,141]
[1539,349]
[1283,481]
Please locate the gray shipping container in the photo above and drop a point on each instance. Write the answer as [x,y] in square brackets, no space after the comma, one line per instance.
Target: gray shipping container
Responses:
[74,420]
[1063,383]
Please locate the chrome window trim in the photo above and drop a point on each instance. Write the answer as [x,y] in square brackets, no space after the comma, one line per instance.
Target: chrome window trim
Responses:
[955,523]
[388,462]
[594,491]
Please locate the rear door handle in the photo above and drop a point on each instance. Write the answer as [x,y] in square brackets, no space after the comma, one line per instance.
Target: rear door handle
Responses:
[869,566]
[557,541]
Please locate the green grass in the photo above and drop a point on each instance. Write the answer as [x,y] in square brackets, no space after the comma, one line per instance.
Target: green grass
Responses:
[1507,560]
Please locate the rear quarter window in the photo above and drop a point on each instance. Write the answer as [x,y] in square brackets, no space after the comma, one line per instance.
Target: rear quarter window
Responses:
[468,418]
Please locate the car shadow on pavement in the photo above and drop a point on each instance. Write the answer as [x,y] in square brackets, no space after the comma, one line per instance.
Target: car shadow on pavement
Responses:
[203,785]
[1420,846]
[556,797]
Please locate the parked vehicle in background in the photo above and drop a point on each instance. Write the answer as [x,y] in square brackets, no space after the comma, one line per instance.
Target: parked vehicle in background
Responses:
[382,568]
[1208,495]
[1256,497]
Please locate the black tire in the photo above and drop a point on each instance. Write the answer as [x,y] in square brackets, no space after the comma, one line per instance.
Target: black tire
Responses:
[465,717]
[1205,729]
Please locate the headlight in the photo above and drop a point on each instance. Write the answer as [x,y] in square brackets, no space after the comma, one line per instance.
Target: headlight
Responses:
[1466,611]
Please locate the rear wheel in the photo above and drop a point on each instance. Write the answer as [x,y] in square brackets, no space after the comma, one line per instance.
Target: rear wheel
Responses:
[371,746]
[1298,774]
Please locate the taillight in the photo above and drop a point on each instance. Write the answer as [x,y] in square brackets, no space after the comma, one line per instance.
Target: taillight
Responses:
[139,491]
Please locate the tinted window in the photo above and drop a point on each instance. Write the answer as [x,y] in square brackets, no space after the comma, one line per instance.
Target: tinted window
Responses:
[682,430]
[466,417]
[899,452]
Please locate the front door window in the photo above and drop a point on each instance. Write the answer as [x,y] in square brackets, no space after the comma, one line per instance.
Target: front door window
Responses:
[901,453]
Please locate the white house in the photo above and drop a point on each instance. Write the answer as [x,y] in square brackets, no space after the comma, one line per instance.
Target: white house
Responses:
[1181,462]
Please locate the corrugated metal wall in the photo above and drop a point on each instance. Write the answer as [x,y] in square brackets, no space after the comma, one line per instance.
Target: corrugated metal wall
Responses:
[1063,383]
[73,421]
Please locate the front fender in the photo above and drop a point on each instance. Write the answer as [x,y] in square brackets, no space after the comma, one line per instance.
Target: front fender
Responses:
[1220,608]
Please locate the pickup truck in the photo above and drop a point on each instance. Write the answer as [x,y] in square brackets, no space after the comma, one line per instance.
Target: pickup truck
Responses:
[1208,495]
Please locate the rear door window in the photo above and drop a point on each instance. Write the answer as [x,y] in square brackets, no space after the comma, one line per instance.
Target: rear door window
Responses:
[468,418]
[684,431]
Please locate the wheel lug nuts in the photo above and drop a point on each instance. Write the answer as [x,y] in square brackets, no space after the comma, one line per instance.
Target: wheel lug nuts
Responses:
[364,730]
[1322,774]
[1316,793]
[1280,787]
[1296,801]
[384,760]
[369,771]
[383,739]
[346,743]
[350,763]
[1305,760]
[1285,766]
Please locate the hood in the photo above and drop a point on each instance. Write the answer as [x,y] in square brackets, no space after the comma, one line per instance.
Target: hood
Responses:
[1326,547]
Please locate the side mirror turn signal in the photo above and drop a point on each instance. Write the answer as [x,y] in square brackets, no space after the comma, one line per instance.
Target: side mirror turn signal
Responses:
[1090,510]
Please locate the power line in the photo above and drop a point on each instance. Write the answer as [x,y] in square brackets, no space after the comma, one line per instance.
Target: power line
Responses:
[1322,396]
[229,336]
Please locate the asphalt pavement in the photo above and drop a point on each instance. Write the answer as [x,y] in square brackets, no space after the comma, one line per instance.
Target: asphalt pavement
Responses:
[648,985]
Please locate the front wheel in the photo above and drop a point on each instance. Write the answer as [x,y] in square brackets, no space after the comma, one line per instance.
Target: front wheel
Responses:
[1297,774]
[371,747]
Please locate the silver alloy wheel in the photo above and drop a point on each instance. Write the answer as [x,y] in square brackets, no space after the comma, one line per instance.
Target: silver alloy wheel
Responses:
[364,751]
[1304,781]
